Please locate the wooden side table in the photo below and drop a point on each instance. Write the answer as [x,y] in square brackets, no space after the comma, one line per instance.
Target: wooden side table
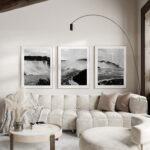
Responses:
[42,133]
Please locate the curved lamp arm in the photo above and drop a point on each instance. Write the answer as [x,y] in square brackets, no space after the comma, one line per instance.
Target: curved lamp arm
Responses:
[123,31]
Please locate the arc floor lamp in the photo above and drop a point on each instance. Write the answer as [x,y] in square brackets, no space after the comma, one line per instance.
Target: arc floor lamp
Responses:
[121,29]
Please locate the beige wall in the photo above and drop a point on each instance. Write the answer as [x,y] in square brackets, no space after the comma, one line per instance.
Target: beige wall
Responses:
[47,24]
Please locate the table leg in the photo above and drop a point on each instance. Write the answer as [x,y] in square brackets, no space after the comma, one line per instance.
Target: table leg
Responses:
[141,146]
[52,142]
[11,142]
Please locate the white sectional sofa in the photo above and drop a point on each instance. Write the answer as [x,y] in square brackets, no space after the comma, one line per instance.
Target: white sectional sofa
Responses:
[79,112]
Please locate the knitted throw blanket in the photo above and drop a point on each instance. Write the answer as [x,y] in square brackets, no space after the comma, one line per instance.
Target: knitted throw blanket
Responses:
[7,117]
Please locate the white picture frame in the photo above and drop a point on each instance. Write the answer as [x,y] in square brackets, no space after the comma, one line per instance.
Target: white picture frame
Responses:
[69,73]
[36,67]
[110,67]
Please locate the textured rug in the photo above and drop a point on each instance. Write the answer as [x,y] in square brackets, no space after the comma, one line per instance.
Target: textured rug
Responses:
[68,141]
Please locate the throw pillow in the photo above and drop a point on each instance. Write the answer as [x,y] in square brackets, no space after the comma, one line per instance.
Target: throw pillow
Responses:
[107,102]
[122,103]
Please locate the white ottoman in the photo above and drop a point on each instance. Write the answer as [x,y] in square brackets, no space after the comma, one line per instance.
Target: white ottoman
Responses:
[107,138]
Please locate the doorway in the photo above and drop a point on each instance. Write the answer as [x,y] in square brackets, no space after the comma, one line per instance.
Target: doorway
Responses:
[145,51]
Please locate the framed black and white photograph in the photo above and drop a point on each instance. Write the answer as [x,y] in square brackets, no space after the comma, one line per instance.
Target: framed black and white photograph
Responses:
[110,67]
[36,67]
[73,67]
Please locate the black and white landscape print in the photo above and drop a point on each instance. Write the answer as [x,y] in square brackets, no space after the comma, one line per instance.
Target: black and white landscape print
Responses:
[36,67]
[110,67]
[73,67]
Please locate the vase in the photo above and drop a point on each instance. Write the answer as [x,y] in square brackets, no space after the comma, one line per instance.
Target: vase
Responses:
[18,126]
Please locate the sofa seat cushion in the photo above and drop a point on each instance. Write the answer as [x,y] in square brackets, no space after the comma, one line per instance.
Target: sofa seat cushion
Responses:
[99,118]
[84,121]
[55,117]
[69,120]
[96,114]
[127,118]
[95,118]
[114,119]
[84,114]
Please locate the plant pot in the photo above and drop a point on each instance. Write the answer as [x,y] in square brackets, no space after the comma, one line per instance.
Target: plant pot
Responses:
[18,126]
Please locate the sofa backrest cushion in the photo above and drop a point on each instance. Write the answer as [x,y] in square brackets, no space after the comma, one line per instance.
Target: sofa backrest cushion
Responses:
[63,102]
[82,102]
[45,101]
[70,102]
[57,102]
[137,104]
[93,101]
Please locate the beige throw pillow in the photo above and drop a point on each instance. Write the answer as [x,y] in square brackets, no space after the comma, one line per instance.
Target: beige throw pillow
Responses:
[107,102]
[122,103]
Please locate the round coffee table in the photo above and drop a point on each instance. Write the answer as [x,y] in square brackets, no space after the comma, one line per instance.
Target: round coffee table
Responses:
[39,133]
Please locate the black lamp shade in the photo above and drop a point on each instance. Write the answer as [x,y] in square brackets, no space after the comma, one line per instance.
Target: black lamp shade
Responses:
[71,27]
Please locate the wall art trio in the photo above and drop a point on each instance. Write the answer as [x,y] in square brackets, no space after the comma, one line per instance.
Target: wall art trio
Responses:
[73,67]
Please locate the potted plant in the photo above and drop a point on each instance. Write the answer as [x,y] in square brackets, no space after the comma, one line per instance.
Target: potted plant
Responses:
[16,104]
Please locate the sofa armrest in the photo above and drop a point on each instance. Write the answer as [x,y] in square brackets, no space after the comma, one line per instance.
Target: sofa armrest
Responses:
[140,132]
[138,104]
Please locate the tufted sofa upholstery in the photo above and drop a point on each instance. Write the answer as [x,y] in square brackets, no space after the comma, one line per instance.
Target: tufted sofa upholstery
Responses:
[78,112]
